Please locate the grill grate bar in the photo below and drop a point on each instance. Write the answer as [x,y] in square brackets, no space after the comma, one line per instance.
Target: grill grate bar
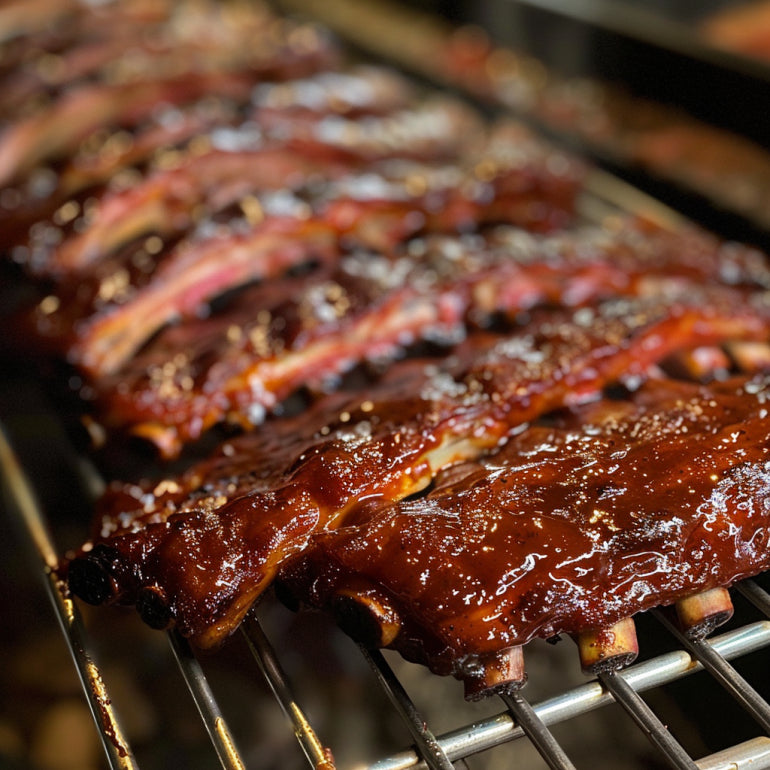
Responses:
[429,748]
[206,703]
[116,748]
[318,756]
[750,755]
[665,668]
[756,595]
[723,672]
[541,737]
[647,721]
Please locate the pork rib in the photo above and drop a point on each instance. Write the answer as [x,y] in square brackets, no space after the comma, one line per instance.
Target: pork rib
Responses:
[205,568]
[57,130]
[238,365]
[369,210]
[104,162]
[280,110]
[614,508]
[126,42]
[41,22]
[169,201]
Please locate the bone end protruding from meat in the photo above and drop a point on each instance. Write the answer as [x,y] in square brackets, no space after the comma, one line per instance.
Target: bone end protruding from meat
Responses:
[369,617]
[366,616]
[700,614]
[750,356]
[497,673]
[608,649]
[153,608]
[91,577]
[700,364]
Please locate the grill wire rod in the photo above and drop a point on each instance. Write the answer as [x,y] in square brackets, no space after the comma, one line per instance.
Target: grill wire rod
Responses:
[116,748]
[542,738]
[756,595]
[319,757]
[428,746]
[723,672]
[647,721]
[206,703]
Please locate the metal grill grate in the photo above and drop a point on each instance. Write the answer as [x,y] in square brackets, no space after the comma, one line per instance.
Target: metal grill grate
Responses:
[518,720]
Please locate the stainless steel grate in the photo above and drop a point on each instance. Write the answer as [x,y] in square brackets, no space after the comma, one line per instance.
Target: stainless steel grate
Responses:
[518,720]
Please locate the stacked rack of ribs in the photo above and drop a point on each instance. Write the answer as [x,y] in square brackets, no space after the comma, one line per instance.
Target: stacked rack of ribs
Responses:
[462,418]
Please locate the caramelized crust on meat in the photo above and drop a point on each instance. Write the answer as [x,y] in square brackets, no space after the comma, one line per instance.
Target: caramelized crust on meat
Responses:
[613,508]
[226,223]
[105,315]
[237,365]
[209,566]
[124,98]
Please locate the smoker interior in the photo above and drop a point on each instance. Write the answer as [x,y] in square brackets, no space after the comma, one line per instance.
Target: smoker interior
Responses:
[656,49]
[643,68]
[292,686]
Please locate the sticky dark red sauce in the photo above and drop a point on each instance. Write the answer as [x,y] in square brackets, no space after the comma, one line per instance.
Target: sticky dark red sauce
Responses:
[614,508]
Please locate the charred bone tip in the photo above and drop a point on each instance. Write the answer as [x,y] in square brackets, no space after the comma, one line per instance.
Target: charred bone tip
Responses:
[608,649]
[153,608]
[90,578]
[700,614]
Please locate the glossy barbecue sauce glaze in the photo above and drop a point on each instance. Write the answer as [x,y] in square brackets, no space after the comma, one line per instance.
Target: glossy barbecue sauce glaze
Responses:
[211,565]
[610,509]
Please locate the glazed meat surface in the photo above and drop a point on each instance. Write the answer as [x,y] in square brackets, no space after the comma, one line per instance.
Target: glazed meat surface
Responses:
[100,318]
[272,111]
[237,365]
[388,450]
[449,402]
[128,95]
[207,179]
[610,509]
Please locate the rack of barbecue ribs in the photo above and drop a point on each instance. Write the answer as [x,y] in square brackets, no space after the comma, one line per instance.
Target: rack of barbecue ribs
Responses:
[614,507]
[204,567]
[451,413]
[237,365]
